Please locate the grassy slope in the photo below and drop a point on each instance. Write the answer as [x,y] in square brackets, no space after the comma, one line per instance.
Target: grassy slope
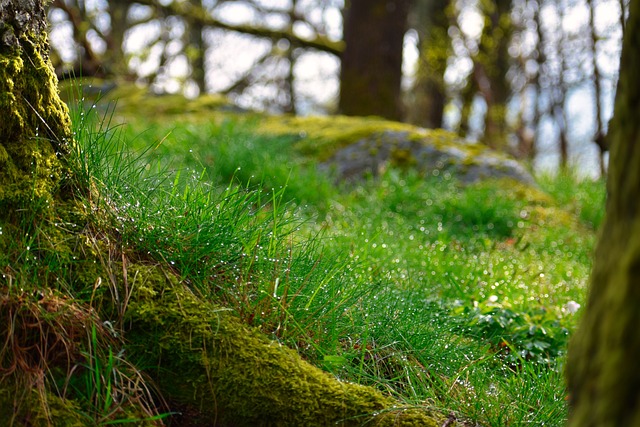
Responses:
[448,296]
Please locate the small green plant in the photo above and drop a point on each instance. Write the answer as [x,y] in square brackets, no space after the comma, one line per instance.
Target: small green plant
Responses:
[536,334]
[110,389]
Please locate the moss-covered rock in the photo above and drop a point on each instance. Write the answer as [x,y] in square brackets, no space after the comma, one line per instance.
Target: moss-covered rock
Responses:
[430,153]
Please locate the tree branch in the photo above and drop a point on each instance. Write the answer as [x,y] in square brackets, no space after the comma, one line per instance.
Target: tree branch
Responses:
[198,15]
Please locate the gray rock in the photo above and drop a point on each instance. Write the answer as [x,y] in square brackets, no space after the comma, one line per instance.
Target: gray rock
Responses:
[434,153]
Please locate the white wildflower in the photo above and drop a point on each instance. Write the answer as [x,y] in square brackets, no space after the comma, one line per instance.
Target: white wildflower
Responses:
[571,307]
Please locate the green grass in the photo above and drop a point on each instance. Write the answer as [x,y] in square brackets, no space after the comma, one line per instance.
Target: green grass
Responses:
[446,295]
[583,196]
[443,294]
[231,152]
[437,292]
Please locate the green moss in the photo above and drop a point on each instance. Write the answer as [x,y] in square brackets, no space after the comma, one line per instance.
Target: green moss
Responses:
[22,406]
[211,364]
[402,158]
[35,126]
[321,136]
[136,100]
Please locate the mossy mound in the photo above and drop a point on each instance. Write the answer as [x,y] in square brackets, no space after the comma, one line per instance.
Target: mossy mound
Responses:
[26,406]
[211,365]
[352,146]
[139,100]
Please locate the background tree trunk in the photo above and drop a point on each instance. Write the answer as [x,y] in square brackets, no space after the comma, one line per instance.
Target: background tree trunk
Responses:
[602,369]
[599,134]
[429,91]
[115,62]
[491,65]
[196,52]
[371,70]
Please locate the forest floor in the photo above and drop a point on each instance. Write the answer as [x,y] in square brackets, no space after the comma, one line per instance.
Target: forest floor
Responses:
[458,297]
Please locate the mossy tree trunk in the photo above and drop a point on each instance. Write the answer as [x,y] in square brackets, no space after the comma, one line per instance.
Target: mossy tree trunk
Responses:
[35,128]
[203,359]
[602,369]
[371,63]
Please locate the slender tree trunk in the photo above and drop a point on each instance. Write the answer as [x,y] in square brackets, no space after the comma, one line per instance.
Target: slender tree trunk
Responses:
[623,25]
[290,105]
[492,64]
[559,92]
[602,368]
[599,137]
[434,44]
[371,71]
[540,60]
[196,50]
[467,97]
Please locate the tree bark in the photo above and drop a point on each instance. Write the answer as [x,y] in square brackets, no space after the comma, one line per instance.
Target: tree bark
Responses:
[114,59]
[602,368]
[196,52]
[371,72]
[35,129]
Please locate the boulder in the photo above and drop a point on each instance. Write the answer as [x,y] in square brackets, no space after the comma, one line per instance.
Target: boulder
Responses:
[433,152]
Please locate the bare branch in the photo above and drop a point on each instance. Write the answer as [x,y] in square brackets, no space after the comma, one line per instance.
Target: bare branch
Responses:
[197,15]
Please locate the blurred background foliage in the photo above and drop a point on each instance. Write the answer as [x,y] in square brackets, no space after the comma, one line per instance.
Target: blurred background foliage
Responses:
[535,78]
